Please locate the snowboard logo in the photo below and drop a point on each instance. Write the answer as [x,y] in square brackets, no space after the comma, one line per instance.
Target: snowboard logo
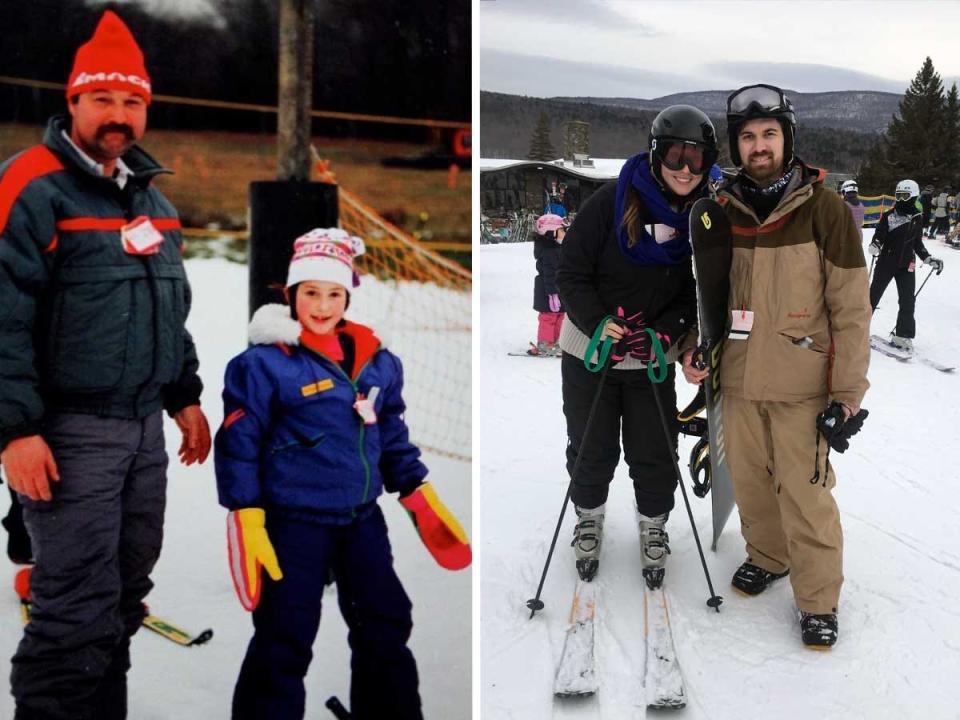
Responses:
[705,219]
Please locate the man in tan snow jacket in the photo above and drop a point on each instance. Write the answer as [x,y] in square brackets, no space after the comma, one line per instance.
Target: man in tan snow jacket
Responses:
[799,341]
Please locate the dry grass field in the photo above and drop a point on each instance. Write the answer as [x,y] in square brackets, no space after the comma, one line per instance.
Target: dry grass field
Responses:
[213,170]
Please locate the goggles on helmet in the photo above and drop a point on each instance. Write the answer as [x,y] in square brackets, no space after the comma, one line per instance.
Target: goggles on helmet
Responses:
[758,101]
[677,154]
[902,195]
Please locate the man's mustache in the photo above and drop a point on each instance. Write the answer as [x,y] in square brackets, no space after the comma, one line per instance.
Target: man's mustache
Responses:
[763,154]
[115,128]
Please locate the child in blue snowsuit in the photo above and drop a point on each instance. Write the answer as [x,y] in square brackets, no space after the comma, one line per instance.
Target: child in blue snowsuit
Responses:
[313,431]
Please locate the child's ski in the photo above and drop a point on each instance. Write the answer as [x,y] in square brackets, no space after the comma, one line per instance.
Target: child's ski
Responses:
[662,681]
[575,673]
[175,634]
[152,622]
[712,242]
[533,351]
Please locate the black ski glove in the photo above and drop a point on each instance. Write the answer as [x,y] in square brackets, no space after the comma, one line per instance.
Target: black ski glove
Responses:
[838,432]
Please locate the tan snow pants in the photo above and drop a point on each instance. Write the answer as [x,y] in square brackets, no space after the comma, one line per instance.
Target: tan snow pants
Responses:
[783,485]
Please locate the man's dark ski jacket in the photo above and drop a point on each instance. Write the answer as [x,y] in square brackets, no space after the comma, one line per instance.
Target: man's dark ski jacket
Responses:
[84,326]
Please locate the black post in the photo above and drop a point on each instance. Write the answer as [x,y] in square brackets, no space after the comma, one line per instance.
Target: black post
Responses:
[281,211]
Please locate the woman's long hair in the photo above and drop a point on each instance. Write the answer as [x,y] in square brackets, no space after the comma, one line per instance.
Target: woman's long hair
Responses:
[631,216]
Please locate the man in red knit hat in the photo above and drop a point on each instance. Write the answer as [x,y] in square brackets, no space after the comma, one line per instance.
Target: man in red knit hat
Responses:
[93,347]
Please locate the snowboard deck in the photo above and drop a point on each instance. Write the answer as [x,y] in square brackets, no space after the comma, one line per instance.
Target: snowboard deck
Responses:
[712,240]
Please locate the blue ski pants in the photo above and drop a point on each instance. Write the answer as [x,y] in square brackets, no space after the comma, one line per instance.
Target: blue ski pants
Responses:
[373,603]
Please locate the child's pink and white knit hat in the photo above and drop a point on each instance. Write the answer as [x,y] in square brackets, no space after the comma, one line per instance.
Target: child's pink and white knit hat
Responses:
[325,254]
[550,223]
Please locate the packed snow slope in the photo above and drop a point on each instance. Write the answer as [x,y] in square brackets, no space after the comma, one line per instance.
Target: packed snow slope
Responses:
[193,587]
[899,650]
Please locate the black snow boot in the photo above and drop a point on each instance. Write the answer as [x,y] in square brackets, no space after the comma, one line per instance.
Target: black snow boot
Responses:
[819,632]
[753,580]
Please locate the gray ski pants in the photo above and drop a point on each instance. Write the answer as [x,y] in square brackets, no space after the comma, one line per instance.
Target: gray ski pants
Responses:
[95,545]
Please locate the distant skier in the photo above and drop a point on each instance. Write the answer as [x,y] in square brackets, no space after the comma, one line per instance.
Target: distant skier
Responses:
[550,230]
[798,294]
[626,266]
[897,238]
[941,213]
[850,191]
[313,432]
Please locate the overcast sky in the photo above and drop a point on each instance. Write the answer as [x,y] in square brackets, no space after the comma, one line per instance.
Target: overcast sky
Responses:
[647,49]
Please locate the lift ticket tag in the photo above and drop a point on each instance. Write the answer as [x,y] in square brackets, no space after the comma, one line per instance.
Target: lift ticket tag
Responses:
[140,237]
[741,325]
[364,406]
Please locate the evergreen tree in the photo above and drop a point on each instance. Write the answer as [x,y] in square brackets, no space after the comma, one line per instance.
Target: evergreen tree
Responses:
[951,140]
[540,147]
[916,138]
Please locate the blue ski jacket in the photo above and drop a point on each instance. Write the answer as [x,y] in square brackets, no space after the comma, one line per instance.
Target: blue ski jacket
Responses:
[293,442]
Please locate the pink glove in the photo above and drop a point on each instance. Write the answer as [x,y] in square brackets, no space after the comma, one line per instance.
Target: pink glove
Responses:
[554,300]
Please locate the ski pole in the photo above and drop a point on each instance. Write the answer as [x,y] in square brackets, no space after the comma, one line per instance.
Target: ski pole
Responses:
[536,603]
[924,283]
[715,600]
[873,259]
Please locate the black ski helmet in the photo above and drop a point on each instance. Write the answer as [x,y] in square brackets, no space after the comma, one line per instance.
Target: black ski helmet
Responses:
[682,123]
[760,101]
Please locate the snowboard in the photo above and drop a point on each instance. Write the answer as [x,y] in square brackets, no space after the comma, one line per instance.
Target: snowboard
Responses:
[712,241]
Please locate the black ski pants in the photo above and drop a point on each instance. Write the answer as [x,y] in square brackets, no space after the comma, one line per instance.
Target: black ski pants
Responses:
[906,286]
[627,403]
[95,544]
[941,225]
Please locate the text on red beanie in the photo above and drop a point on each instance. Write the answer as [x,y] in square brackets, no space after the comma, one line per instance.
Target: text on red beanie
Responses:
[110,60]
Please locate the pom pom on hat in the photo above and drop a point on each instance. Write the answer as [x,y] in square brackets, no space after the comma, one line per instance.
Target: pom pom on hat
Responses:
[550,223]
[110,60]
[325,254]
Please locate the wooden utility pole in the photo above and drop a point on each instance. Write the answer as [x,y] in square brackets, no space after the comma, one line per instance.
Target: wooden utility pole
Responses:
[295,89]
[283,209]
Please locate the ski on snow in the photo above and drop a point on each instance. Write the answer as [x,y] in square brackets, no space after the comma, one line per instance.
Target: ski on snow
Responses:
[576,676]
[662,681]
[532,351]
[890,350]
[576,672]
[151,622]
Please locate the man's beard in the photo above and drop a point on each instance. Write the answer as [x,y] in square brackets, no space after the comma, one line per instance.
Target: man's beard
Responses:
[764,177]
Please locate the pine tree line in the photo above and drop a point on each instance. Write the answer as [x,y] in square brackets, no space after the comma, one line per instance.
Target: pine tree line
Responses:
[922,141]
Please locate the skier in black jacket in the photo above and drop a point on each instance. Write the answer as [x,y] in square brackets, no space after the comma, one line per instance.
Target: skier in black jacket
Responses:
[625,265]
[898,236]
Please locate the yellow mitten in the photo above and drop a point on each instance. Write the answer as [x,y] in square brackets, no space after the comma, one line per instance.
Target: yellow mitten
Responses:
[438,528]
[249,549]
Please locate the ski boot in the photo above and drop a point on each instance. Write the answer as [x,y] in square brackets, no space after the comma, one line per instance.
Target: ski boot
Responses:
[819,632]
[903,343]
[653,548]
[752,580]
[587,536]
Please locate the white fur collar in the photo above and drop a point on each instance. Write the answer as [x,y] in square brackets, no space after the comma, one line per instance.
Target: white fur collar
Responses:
[272,324]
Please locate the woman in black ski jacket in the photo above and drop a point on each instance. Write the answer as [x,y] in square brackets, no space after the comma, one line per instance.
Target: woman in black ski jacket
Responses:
[896,240]
[625,266]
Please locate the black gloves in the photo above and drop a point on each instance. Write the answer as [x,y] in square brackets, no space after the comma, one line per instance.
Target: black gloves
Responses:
[838,432]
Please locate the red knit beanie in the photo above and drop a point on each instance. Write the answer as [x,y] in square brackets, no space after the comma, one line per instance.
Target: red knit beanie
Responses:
[110,60]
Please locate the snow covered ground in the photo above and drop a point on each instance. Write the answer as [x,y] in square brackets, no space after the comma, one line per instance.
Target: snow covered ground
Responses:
[898,494]
[193,587]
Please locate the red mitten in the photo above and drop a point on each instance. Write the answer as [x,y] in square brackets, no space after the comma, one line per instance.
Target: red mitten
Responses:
[438,528]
